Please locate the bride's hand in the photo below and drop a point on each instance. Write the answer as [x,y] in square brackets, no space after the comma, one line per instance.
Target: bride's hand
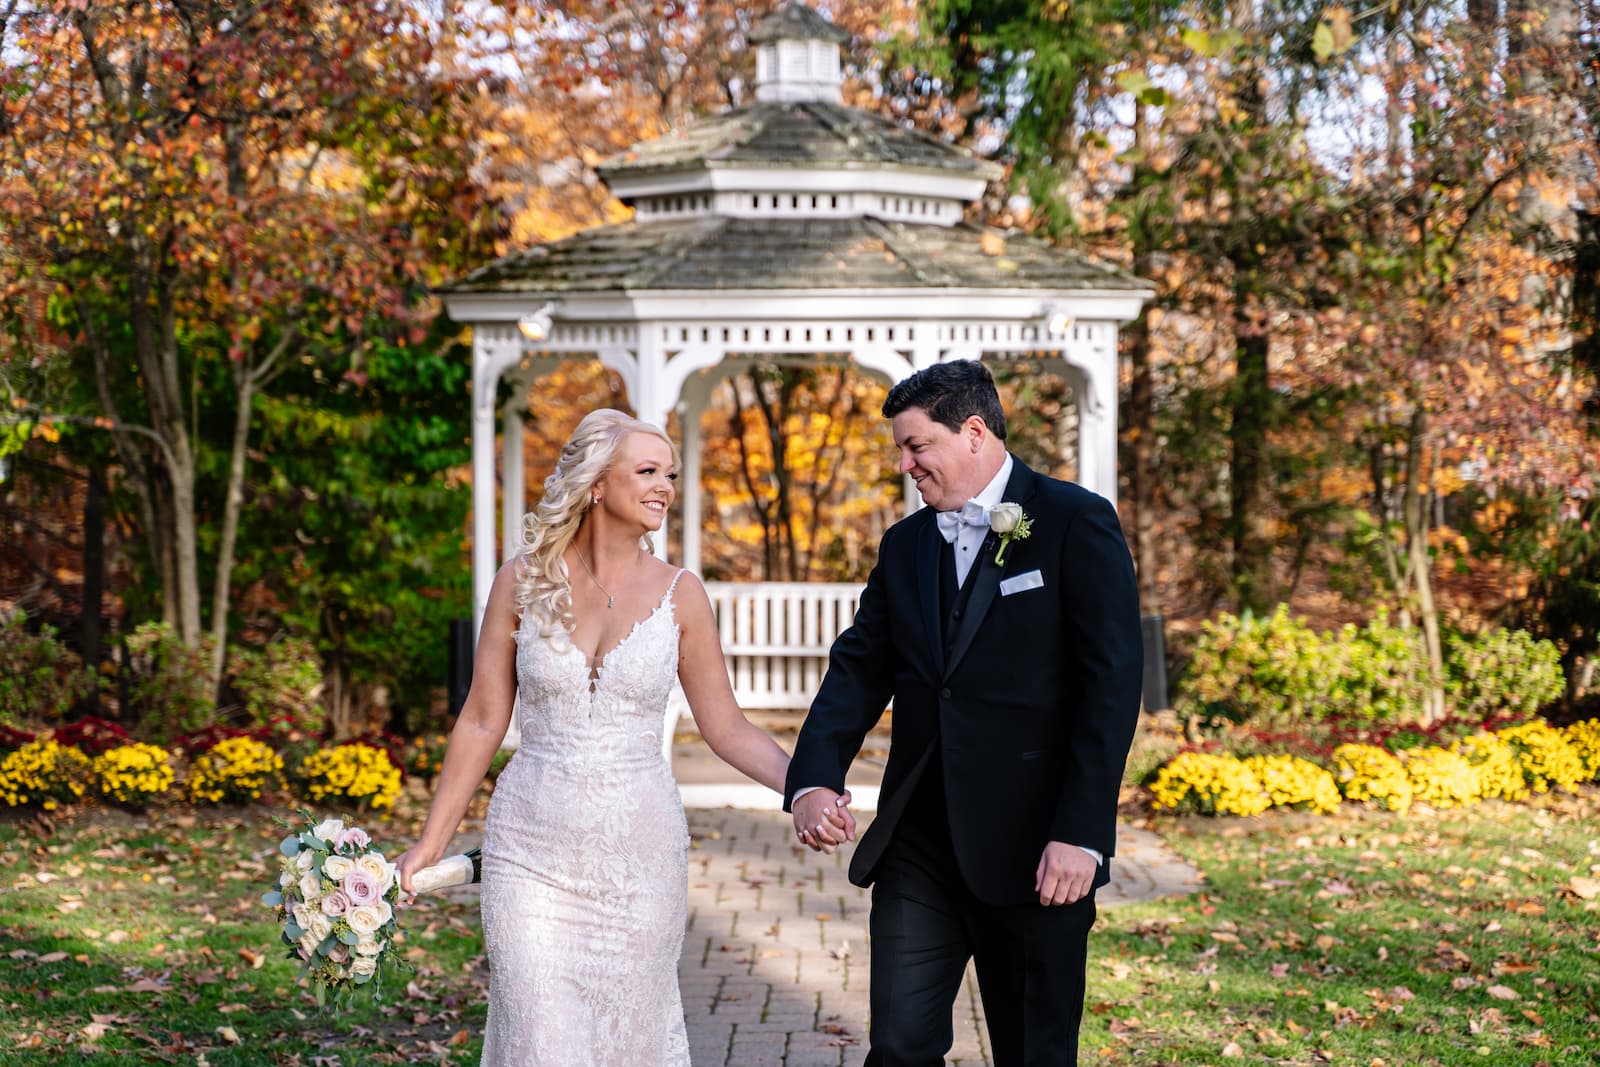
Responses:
[409,863]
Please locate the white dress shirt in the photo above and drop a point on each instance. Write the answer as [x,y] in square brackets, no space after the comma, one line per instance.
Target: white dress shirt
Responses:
[969,539]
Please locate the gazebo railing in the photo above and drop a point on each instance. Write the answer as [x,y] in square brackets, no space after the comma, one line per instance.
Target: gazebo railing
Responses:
[776,637]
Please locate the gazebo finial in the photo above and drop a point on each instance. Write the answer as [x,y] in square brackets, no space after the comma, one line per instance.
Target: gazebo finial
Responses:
[798,55]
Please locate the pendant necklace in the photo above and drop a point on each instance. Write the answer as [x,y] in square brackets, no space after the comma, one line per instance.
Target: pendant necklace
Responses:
[611,601]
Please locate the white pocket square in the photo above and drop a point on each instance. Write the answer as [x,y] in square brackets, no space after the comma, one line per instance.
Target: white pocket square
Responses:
[1022,582]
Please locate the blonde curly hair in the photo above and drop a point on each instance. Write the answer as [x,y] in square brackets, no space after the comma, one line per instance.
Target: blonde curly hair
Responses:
[544,589]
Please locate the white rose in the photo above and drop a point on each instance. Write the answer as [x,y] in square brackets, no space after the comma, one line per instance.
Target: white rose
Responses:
[320,926]
[311,886]
[368,946]
[385,912]
[336,867]
[328,829]
[1005,518]
[308,945]
[364,920]
[302,915]
[380,869]
[363,967]
[285,880]
[305,860]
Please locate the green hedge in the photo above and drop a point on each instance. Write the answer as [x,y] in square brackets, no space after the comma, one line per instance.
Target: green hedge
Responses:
[1276,672]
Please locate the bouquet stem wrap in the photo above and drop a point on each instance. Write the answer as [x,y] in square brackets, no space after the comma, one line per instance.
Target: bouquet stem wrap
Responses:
[464,869]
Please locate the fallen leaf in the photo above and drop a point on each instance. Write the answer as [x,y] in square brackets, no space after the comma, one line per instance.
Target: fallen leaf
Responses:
[1584,888]
[52,957]
[230,1035]
[1231,1050]
[1500,992]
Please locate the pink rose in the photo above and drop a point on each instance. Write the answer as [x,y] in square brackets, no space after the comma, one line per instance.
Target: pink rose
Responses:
[361,887]
[340,953]
[352,837]
[335,903]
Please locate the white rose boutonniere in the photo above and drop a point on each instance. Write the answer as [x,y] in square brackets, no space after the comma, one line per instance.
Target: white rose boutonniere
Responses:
[1012,524]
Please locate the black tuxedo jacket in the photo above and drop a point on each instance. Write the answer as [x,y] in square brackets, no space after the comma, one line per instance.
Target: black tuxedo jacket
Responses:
[1031,705]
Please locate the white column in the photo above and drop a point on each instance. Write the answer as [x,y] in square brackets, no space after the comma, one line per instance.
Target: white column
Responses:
[1097,429]
[483,480]
[513,488]
[696,394]
[649,403]
[495,349]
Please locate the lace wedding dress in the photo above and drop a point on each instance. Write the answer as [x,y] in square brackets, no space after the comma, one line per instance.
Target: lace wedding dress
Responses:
[585,861]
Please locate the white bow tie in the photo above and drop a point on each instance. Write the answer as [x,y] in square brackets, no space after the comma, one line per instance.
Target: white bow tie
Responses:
[971,513]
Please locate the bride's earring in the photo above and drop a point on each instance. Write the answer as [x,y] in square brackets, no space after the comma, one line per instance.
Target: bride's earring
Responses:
[594,499]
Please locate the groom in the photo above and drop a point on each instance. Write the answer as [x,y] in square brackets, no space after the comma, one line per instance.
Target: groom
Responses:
[1014,665]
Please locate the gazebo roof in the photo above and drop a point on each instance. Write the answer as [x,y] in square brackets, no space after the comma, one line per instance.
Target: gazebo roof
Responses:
[761,253]
[783,134]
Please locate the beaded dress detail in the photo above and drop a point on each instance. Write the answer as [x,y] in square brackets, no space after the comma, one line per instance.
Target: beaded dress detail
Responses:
[585,861]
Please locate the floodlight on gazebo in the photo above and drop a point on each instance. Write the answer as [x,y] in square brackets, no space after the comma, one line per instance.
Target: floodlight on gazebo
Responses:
[535,325]
[1056,320]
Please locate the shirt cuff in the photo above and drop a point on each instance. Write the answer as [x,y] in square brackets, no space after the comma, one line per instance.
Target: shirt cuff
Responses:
[1098,859]
[798,793]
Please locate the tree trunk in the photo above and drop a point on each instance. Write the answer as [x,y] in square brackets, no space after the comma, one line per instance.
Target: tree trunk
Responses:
[233,500]
[1140,419]
[1420,566]
[1248,437]
[94,567]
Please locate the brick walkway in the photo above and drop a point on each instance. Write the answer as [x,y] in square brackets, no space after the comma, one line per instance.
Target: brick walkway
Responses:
[774,968]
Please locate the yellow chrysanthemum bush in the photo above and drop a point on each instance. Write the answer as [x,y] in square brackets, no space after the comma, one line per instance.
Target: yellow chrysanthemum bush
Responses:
[235,770]
[1442,777]
[1548,758]
[1209,785]
[1498,766]
[1293,782]
[133,774]
[45,774]
[355,772]
[1584,737]
[1370,775]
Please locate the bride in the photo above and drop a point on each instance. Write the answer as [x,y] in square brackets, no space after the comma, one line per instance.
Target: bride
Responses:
[585,852]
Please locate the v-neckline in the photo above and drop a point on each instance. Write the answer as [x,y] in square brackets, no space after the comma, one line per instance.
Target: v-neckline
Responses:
[595,666]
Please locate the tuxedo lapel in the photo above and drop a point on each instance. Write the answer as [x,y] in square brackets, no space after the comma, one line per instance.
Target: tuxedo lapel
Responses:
[928,591]
[986,574]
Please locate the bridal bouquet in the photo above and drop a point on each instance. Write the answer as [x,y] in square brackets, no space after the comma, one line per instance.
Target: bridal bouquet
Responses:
[335,899]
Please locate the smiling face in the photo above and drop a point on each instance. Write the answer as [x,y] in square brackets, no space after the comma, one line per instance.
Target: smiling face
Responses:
[949,466]
[639,486]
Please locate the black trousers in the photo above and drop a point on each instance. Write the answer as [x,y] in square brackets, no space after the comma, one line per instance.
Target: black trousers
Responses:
[926,925]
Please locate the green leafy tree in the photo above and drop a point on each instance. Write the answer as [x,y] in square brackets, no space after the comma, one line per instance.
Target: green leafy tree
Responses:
[356,524]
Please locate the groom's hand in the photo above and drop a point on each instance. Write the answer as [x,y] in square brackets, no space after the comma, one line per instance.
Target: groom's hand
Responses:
[1065,875]
[822,820]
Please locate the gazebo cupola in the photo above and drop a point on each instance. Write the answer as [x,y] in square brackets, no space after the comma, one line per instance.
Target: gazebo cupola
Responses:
[797,56]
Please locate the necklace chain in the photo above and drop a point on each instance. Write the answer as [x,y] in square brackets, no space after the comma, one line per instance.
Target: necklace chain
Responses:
[611,601]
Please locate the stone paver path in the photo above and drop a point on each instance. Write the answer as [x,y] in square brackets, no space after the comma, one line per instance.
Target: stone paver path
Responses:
[774,968]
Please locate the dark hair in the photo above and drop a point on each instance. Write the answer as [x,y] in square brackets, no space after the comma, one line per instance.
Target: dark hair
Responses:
[951,393]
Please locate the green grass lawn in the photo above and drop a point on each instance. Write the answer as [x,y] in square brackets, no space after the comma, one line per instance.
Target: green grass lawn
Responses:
[1363,938]
[127,939]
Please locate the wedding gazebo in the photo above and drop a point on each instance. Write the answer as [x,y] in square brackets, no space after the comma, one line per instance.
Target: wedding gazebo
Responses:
[791,229]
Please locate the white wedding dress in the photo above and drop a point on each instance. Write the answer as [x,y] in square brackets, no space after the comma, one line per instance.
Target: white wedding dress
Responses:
[585,861]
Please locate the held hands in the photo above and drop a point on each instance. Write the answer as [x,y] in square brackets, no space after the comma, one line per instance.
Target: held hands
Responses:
[1065,875]
[822,820]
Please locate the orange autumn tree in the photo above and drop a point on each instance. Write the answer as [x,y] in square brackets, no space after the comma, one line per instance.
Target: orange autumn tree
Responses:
[1457,348]
[191,187]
